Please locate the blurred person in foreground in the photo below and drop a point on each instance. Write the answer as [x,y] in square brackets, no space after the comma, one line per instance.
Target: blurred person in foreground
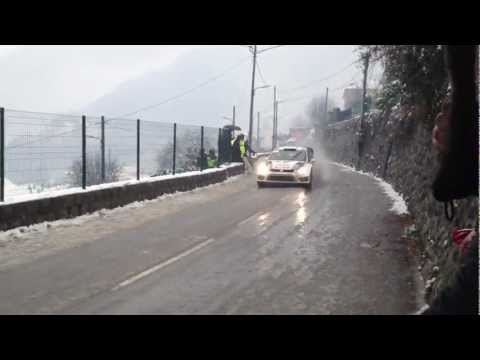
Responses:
[455,137]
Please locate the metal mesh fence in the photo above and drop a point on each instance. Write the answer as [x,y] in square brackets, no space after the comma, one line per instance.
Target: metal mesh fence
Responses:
[188,148]
[156,148]
[44,152]
[121,148]
[40,150]
[211,144]
[93,138]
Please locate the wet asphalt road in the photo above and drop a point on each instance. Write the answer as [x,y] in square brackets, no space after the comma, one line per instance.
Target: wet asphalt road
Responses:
[229,249]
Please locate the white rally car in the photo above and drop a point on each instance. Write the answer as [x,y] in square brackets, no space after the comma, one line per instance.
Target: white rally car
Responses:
[287,165]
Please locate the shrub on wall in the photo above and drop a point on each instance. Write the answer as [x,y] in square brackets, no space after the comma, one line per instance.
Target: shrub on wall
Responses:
[413,74]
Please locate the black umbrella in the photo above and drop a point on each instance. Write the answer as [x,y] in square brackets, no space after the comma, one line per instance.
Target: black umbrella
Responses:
[230,127]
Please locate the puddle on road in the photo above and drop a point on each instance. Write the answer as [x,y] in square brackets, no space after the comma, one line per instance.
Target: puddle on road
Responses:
[301,214]
[262,219]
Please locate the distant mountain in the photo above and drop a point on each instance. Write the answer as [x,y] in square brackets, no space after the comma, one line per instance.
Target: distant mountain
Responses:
[204,106]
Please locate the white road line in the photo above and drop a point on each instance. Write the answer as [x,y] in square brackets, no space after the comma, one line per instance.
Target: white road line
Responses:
[250,218]
[162,265]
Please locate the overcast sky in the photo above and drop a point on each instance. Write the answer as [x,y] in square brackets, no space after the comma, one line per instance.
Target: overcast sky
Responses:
[61,77]
[73,78]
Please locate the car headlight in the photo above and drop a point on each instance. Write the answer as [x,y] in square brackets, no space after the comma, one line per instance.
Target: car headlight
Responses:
[262,169]
[304,171]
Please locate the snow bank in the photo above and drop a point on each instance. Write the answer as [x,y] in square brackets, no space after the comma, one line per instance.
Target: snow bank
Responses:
[399,206]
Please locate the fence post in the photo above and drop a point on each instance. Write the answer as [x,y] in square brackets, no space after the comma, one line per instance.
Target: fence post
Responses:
[219,147]
[174,148]
[102,140]
[84,152]
[201,149]
[138,149]
[2,154]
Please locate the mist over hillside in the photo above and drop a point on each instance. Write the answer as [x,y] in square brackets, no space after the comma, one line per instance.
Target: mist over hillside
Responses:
[287,68]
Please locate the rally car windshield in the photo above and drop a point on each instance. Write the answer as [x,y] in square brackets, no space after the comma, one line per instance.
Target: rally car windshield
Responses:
[289,155]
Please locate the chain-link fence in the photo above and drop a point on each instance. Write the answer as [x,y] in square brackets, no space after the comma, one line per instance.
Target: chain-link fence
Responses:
[43,152]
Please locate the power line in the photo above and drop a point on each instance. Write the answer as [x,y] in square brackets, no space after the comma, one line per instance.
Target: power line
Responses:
[186,92]
[47,138]
[260,73]
[212,79]
[270,48]
[250,47]
[347,83]
[308,97]
[43,138]
[323,79]
[291,100]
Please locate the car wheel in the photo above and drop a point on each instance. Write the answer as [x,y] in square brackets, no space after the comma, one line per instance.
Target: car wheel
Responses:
[309,185]
[259,185]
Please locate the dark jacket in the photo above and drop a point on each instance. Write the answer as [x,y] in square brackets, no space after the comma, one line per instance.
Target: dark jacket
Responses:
[457,177]
[461,297]
[225,148]
[248,149]
[236,153]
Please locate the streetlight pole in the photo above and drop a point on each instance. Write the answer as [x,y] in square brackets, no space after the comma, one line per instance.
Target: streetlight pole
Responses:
[276,123]
[254,51]
[258,131]
[274,116]
[275,112]
[232,119]
[362,116]
[326,107]
[252,94]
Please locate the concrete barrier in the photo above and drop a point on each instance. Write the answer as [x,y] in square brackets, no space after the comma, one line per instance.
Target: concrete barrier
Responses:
[71,205]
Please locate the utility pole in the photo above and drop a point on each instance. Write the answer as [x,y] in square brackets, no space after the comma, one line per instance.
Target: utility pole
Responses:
[274,116]
[258,131]
[326,108]
[276,123]
[364,95]
[252,95]
[361,138]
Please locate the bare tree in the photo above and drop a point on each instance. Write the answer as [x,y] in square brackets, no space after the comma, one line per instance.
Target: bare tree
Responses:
[187,152]
[94,171]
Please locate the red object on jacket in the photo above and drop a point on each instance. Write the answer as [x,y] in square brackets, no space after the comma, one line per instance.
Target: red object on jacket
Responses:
[461,237]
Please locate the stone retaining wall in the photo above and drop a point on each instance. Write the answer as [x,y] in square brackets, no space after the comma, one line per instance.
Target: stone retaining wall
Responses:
[72,205]
[398,149]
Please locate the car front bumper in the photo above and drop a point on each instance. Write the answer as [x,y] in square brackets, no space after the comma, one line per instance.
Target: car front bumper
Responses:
[283,178]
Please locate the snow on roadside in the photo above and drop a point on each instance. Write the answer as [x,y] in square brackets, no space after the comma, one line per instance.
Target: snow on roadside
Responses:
[21,232]
[60,192]
[399,206]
